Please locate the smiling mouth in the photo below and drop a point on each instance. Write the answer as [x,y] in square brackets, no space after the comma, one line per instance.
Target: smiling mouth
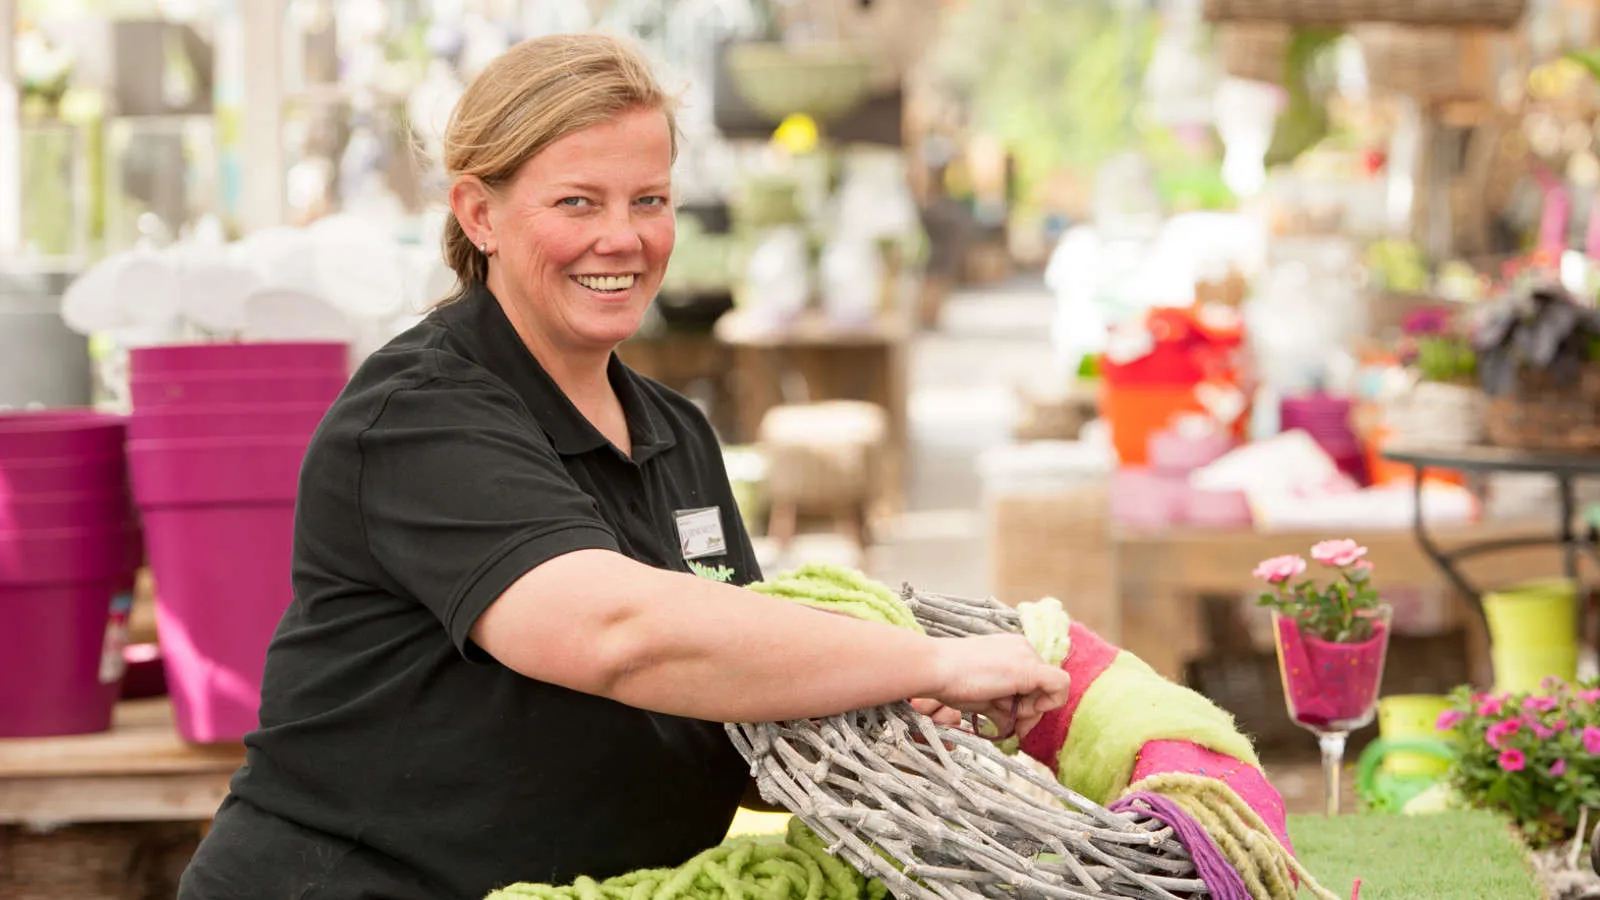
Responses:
[605,284]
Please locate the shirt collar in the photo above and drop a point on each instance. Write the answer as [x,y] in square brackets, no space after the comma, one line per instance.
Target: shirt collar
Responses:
[570,433]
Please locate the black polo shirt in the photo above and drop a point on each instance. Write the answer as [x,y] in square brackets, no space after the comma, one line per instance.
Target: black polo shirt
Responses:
[395,759]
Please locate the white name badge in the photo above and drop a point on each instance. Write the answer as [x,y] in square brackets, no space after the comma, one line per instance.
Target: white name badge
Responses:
[700,532]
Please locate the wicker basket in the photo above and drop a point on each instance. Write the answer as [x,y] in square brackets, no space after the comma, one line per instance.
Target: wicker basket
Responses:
[1549,418]
[941,814]
[1458,13]
[1437,415]
[1254,50]
[1427,63]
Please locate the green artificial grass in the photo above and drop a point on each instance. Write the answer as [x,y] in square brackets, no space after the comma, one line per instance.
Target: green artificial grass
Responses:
[1464,855]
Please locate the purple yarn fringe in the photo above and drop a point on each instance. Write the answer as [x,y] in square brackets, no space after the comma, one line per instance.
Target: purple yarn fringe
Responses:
[1220,878]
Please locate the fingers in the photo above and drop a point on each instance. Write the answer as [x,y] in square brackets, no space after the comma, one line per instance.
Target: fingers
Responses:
[938,712]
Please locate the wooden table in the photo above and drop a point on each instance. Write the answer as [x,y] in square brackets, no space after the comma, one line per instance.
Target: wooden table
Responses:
[1161,576]
[812,358]
[139,771]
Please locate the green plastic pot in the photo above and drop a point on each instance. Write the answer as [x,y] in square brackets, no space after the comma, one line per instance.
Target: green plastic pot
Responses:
[1540,614]
[1390,793]
[1522,669]
[1412,716]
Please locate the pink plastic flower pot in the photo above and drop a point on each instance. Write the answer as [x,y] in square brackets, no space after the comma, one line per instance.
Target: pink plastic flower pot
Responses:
[68,555]
[210,388]
[86,475]
[223,581]
[1179,455]
[32,512]
[216,470]
[55,675]
[1216,509]
[284,356]
[60,435]
[219,518]
[1145,498]
[181,421]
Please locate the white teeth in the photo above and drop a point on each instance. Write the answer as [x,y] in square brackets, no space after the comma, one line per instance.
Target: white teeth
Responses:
[605,282]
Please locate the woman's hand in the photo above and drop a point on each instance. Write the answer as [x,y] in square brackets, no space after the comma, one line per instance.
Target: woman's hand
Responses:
[994,676]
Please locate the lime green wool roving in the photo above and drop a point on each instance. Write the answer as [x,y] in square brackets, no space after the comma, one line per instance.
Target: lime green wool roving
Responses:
[1048,627]
[1126,707]
[840,590]
[751,868]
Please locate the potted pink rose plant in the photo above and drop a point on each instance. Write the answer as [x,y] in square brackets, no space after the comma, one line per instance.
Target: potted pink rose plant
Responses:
[1332,638]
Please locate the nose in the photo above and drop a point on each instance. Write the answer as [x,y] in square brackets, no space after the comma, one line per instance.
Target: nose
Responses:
[619,234]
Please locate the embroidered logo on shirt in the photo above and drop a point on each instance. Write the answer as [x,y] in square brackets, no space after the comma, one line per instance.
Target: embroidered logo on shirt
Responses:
[714,573]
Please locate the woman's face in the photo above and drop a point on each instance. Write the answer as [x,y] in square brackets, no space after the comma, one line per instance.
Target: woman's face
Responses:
[583,232]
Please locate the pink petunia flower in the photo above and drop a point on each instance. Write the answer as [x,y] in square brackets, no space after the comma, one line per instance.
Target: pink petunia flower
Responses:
[1448,719]
[1338,553]
[1558,768]
[1590,696]
[1540,731]
[1499,731]
[1279,569]
[1591,740]
[1491,706]
[1558,725]
[1540,704]
[1513,760]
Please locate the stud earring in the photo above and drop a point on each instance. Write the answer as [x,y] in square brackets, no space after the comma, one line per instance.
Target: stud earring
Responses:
[484,248]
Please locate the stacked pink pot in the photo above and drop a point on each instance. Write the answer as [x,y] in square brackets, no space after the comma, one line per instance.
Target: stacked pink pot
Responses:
[1327,419]
[69,549]
[1159,495]
[215,443]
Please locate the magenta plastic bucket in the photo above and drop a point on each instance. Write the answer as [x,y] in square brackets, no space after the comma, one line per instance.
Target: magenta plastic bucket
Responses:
[215,470]
[59,435]
[47,477]
[57,555]
[101,509]
[54,675]
[223,581]
[219,520]
[284,356]
[211,388]
[182,421]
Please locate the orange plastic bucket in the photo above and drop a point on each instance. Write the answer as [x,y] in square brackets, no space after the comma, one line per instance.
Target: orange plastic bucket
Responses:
[1135,413]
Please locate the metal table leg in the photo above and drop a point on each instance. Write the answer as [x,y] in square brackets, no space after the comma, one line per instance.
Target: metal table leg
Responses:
[1444,561]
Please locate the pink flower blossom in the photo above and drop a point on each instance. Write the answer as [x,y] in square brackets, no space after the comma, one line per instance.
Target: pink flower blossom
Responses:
[1591,740]
[1540,731]
[1491,706]
[1361,571]
[1279,569]
[1513,760]
[1339,554]
[1590,696]
[1558,725]
[1539,704]
[1499,731]
[1448,719]
[1558,768]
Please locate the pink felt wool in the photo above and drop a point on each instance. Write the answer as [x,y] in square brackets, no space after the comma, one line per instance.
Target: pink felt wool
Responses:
[1090,656]
[1162,757]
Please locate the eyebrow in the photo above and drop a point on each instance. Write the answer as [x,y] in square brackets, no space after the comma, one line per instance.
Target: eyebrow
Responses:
[657,187]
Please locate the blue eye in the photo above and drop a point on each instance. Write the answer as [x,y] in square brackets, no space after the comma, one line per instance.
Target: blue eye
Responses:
[653,201]
[572,201]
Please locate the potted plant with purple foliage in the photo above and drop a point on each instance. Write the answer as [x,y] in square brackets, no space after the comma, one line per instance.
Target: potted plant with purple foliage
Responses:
[1332,638]
[1538,359]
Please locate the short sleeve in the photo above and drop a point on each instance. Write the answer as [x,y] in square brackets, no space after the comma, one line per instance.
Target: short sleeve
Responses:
[461,494]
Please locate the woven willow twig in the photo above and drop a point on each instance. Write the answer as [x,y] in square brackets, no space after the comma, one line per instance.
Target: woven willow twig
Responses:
[936,813]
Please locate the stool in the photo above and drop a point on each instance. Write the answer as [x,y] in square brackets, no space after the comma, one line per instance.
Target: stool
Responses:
[823,458]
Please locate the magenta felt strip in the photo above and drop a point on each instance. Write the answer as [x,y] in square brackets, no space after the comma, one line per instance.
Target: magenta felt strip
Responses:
[1090,655]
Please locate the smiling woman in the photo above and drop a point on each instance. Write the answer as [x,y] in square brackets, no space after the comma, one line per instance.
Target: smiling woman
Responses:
[518,613]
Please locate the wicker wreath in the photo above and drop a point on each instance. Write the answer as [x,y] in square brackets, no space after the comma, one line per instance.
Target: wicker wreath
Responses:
[942,814]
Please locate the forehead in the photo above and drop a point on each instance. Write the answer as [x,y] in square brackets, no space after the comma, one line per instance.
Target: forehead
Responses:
[636,143]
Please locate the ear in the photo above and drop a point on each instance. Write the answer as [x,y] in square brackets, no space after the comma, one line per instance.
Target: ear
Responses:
[471,201]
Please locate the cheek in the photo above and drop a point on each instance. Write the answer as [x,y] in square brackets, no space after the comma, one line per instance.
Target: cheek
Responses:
[659,237]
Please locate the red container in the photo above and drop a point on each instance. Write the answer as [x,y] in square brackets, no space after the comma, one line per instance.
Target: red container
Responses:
[57,672]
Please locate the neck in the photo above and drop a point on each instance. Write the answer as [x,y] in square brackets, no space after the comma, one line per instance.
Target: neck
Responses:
[581,374]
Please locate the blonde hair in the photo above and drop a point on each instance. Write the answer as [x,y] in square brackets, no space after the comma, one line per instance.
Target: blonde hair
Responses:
[534,94]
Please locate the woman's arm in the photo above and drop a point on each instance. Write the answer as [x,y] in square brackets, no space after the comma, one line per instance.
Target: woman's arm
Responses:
[598,622]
